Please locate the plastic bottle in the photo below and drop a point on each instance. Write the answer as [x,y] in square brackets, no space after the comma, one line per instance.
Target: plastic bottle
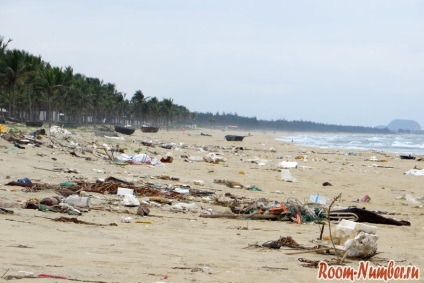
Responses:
[78,201]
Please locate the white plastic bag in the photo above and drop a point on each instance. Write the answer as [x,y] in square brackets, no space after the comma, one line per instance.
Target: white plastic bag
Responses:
[286,176]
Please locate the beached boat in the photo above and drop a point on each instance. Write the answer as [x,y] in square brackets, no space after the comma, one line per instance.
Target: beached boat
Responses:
[234,138]
[124,130]
[407,157]
[34,123]
[149,129]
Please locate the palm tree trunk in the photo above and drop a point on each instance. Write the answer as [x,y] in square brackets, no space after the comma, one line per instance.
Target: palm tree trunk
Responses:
[30,104]
[49,111]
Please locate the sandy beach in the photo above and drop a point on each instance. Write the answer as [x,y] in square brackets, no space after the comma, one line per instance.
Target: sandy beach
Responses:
[171,245]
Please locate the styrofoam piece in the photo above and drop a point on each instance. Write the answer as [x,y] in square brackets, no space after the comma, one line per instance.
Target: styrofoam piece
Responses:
[124,191]
[363,245]
[348,229]
[130,200]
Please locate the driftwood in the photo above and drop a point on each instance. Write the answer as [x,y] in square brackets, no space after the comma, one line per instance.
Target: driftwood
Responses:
[240,216]
[77,221]
[316,250]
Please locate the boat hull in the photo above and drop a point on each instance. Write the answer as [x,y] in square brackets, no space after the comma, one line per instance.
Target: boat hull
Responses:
[234,138]
[149,129]
[34,123]
[125,130]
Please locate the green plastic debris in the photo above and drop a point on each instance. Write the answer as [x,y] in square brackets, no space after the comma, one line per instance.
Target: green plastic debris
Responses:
[66,184]
[253,188]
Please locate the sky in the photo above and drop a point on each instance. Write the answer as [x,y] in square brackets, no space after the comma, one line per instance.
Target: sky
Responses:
[343,62]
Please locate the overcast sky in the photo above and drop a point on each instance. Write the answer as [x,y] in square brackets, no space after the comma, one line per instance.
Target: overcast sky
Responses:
[356,62]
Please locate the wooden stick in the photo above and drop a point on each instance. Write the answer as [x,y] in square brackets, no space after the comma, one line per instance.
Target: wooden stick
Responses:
[53,170]
[314,250]
[329,222]
[242,216]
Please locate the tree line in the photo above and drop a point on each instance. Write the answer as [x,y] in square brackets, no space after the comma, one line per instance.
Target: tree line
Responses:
[32,89]
[223,120]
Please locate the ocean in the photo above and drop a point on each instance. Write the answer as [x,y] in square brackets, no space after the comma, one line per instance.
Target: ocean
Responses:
[401,144]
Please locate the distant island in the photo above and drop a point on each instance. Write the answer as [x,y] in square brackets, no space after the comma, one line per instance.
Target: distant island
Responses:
[404,126]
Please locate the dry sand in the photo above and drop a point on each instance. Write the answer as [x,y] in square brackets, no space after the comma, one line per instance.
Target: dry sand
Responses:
[181,246]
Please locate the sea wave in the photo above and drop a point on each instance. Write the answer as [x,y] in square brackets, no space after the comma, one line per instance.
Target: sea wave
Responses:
[402,144]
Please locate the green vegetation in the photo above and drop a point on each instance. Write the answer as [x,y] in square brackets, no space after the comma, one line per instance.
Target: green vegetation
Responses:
[31,88]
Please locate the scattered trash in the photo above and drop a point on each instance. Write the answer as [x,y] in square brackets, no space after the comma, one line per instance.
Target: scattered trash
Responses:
[78,202]
[130,200]
[58,131]
[365,198]
[410,198]
[253,188]
[184,191]
[363,215]
[358,239]
[287,164]
[25,182]
[415,172]
[185,206]
[66,184]
[213,158]
[3,128]
[50,201]
[230,184]
[315,198]
[124,191]
[286,176]
[126,219]
[167,159]
[5,211]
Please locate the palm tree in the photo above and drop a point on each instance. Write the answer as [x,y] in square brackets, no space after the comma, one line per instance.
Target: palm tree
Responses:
[13,70]
[3,46]
[34,66]
[153,110]
[62,100]
[98,93]
[167,107]
[138,100]
[49,82]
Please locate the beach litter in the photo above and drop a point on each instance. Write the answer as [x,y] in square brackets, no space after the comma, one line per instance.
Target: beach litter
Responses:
[286,176]
[358,239]
[126,219]
[287,165]
[124,191]
[130,200]
[315,198]
[410,198]
[59,132]
[415,172]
